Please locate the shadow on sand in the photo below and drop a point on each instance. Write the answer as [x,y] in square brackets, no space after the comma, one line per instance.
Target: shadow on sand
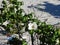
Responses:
[50,8]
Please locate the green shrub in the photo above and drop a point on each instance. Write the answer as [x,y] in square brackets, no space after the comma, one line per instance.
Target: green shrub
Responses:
[17,18]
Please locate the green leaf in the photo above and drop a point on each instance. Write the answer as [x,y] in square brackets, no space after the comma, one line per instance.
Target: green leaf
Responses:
[30,15]
[3,2]
[43,24]
[25,19]
[24,42]
[31,32]
[38,31]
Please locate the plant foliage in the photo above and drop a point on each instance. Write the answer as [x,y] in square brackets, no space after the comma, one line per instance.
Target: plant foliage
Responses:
[18,19]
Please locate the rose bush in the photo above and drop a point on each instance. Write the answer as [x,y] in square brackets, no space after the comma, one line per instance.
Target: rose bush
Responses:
[13,18]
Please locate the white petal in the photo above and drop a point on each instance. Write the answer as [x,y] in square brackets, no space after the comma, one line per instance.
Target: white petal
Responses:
[5,23]
[30,26]
[35,26]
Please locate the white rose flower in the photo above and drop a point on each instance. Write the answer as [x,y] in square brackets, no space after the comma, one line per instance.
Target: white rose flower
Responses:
[15,36]
[6,22]
[32,26]
[57,41]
